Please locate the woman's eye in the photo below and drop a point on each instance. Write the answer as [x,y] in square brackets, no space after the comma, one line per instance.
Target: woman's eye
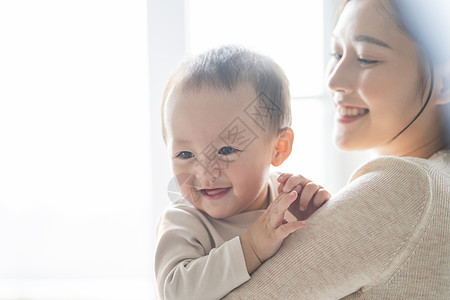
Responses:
[185,155]
[227,150]
[336,56]
[364,62]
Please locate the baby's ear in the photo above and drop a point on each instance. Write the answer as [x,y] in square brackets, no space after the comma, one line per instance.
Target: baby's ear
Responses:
[284,146]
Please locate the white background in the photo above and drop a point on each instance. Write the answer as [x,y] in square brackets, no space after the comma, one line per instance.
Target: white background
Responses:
[75,173]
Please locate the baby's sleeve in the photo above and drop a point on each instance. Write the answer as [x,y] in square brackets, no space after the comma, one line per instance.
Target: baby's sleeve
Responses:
[188,266]
[355,241]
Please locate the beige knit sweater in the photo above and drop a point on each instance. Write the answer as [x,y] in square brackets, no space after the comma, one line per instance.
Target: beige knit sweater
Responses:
[386,235]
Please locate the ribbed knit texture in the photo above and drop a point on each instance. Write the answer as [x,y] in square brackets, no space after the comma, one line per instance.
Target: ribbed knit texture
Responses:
[386,235]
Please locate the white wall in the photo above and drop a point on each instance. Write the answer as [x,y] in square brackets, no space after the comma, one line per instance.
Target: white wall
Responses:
[74,150]
[167,46]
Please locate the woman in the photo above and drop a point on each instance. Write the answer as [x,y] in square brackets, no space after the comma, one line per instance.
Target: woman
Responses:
[386,234]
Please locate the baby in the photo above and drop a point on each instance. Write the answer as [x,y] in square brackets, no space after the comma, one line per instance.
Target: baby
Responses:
[226,120]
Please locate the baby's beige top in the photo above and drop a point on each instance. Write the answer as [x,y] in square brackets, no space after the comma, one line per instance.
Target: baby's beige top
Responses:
[386,235]
[199,257]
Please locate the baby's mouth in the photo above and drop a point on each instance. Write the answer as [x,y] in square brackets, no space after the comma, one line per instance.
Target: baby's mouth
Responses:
[214,193]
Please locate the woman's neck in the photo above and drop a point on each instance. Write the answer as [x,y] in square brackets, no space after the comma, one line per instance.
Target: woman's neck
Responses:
[424,150]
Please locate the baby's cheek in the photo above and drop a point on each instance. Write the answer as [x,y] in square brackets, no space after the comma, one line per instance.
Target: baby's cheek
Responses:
[186,185]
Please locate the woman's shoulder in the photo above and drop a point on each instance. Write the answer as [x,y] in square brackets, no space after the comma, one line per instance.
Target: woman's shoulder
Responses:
[402,188]
[399,168]
[388,185]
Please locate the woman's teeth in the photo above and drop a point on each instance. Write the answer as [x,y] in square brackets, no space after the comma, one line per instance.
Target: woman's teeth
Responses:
[351,112]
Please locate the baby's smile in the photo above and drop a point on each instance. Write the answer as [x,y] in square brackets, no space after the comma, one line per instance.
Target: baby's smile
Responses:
[215,194]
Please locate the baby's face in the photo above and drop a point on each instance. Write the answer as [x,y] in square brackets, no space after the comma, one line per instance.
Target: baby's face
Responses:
[220,154]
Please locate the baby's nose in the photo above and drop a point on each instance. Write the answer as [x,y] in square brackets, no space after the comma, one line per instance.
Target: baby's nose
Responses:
[207,171]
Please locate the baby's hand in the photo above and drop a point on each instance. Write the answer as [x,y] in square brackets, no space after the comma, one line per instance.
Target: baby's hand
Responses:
[267,233]
[311,196]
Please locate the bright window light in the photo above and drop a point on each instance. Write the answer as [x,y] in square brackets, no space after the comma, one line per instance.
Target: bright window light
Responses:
[74,150]
[289,31]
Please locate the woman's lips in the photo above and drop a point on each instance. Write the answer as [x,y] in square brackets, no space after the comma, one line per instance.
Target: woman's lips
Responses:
[348,114]
[214,194]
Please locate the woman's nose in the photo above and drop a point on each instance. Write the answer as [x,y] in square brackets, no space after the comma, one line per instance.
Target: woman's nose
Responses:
[340,73]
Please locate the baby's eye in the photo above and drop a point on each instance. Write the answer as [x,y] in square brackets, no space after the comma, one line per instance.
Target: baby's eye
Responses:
[228,150]
[185,155]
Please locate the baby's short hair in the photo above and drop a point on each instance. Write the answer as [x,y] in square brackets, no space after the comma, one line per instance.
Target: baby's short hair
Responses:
[227,67]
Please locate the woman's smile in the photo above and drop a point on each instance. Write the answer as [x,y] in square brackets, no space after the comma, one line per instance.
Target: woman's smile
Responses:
[348,114]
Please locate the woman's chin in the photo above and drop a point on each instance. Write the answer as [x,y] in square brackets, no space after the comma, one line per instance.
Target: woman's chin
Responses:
[344,144]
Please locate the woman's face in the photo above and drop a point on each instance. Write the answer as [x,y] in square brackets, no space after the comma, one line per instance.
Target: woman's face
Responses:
[374,80]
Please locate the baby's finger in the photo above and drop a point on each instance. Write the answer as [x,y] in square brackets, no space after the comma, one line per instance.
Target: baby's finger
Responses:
[294,181]
[307,195]
[321,197]
[298,189]
[283,177]
[278,208]
[282,180]
[286,229]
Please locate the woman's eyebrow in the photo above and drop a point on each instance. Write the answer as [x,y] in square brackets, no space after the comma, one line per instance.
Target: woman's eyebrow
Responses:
[372,40]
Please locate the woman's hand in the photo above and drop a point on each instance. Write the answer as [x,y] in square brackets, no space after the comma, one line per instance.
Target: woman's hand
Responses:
[311,196]
[267,233]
